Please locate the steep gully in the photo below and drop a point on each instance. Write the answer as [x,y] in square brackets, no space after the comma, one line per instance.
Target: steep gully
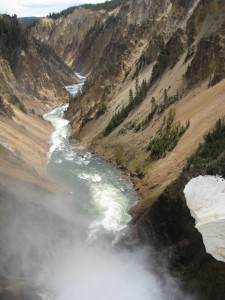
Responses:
[84,264]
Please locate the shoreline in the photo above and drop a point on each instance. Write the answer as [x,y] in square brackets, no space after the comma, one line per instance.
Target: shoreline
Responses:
[126,174]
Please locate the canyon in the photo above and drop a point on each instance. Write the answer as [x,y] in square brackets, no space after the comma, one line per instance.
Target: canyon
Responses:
[155,88]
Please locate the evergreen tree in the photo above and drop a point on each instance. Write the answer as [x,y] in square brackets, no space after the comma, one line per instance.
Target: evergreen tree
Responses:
[137,89]
[131,96]
[165,96]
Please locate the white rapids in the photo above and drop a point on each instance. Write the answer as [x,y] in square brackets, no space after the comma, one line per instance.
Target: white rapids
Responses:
[73,89]
[99,190]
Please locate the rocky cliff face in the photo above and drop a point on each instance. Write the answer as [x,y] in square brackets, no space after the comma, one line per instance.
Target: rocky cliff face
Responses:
[72,35]
[148,9]
[178,51]
[32,79]
[35,67]
[175,234]
[66,34]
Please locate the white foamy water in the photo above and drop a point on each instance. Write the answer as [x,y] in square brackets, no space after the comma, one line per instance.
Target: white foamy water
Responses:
[205,196]
[105,196]
[62,130]
[73,89]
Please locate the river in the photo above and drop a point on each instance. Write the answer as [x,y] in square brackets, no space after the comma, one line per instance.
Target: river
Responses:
[98,190]
[81,261]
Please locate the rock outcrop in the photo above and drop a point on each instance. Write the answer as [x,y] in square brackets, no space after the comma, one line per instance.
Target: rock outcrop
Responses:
[66,34]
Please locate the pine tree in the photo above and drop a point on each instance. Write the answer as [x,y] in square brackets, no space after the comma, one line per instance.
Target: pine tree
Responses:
[131,96]
[137,88]
[165,96]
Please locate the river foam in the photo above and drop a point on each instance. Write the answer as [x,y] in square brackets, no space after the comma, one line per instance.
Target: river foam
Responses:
[73,89]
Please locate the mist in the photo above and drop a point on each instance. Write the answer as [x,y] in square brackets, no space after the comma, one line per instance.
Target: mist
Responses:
[44,246]
[65,246]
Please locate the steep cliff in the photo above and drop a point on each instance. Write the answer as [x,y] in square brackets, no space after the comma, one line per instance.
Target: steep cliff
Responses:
[32,78]
[36,68]
[66,34]
[169,226]
[176,55]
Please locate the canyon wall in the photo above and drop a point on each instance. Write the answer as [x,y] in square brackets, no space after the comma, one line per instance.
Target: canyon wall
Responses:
[155,88]
[32,80]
